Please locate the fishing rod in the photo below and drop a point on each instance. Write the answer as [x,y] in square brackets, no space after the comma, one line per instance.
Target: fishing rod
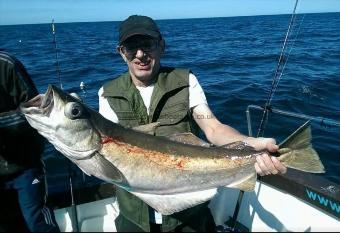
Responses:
[56,54]
[278,74]
[286,61]
[70,173]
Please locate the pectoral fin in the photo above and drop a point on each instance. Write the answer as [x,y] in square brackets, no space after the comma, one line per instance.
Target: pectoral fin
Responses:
[101,168]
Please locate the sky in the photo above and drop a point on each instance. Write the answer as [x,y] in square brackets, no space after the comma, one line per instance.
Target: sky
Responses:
[43,11]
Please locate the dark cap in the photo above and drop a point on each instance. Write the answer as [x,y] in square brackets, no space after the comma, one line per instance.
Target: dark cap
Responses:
[138,25]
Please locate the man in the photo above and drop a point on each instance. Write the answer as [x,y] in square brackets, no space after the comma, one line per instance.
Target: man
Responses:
[149,93]
[21,169]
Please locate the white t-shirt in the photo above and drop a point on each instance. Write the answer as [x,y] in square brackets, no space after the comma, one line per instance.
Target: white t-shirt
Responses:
[196,97]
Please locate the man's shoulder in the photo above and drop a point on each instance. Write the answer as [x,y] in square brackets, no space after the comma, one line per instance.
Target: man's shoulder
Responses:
[170,76]
[118,83]
[15,80]
[168,69]
[7,58]
[117,79]
[6,66]
[9,62]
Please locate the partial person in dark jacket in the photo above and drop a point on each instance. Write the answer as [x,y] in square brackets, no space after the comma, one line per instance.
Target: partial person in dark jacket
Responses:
[148,93]
[21,147]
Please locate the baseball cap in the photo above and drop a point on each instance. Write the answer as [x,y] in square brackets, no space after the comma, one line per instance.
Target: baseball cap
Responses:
[138,25]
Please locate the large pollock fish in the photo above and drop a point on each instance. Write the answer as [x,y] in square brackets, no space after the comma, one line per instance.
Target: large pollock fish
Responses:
[169,175]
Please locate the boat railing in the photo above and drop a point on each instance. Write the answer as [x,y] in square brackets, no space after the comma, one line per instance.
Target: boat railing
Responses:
[295,182]
[326,122]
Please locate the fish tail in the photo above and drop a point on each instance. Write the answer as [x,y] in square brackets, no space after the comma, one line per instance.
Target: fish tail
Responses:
[297,151]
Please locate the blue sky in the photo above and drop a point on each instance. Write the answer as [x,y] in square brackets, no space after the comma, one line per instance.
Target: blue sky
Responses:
[43,11]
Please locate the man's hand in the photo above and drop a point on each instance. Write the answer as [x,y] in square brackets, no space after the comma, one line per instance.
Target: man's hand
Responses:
[266,164]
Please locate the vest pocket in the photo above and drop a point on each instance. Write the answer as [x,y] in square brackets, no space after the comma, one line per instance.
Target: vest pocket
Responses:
[173,114]
[125,115]
[127,119]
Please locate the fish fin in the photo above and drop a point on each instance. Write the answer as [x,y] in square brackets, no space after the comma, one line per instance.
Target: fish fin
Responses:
[80,167]
[236,145]
[148,128]
[246,185]
[188,138]
[169,204]
[101,168]
[297,152]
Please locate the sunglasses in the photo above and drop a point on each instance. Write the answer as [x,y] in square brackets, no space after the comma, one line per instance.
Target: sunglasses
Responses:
[146,45]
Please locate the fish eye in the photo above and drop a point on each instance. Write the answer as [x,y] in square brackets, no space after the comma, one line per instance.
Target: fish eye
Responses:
[73,110]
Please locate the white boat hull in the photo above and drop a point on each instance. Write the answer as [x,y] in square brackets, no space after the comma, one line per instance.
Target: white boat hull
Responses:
[97,216]
[268,209]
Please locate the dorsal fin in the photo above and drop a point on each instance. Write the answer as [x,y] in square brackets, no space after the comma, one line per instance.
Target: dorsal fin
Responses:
[236,145]
[148,128]
[188,138]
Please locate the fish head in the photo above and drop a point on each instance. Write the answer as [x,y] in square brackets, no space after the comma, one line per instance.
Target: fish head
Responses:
[64,121]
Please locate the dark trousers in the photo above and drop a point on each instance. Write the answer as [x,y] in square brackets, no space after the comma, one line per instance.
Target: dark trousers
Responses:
[201,222]
[30,193]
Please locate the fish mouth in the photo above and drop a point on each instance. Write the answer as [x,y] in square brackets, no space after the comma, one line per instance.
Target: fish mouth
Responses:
[41,104]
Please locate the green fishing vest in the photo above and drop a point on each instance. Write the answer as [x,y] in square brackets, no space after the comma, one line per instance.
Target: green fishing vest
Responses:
[169,106]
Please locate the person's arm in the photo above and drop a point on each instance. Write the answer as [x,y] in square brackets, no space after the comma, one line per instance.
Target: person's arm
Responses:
[16,87]
[221,134]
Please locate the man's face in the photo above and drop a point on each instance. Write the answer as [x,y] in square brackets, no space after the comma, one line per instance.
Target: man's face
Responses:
[142,54]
